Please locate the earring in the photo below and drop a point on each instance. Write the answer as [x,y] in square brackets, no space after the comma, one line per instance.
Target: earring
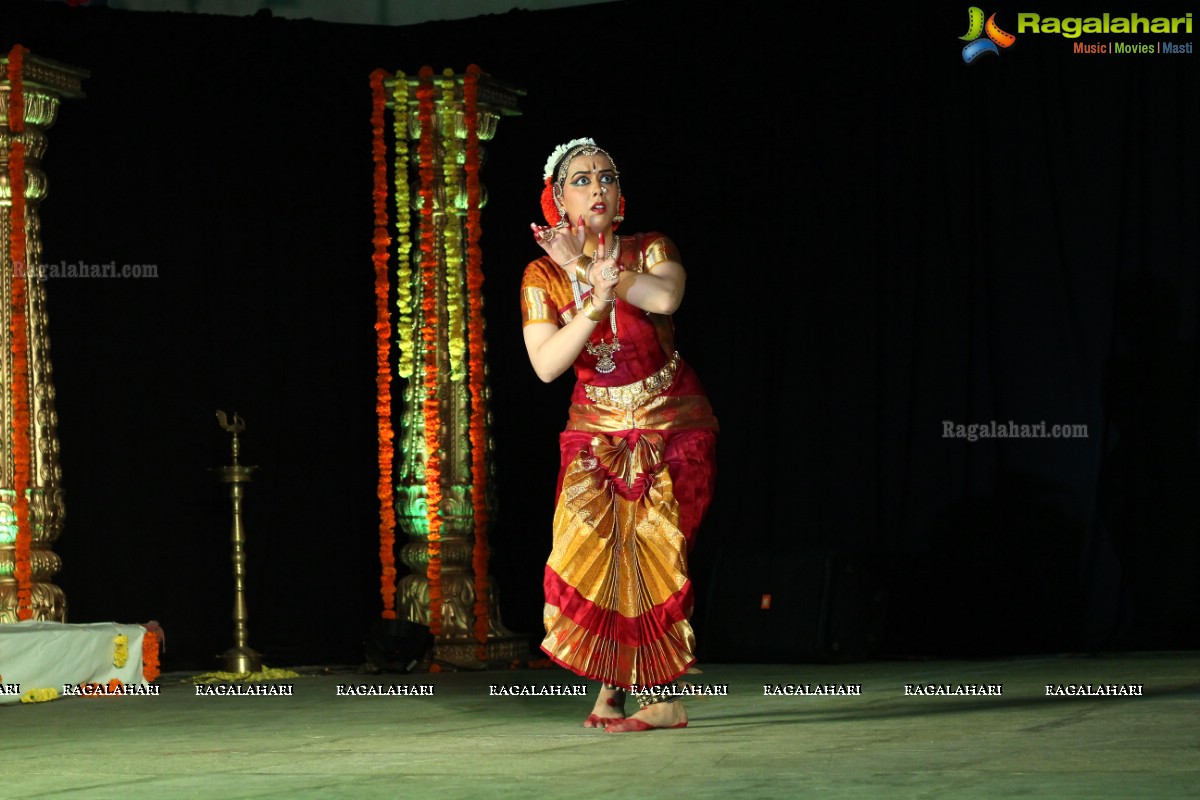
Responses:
[556,193]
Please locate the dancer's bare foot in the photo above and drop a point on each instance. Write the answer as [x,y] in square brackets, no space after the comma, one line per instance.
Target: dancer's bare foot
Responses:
[656,715]
[609,708]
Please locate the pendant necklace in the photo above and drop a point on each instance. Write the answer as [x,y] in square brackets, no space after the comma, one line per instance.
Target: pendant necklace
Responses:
[603,351]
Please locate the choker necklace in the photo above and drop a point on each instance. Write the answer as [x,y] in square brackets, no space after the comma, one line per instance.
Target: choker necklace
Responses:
[602,350]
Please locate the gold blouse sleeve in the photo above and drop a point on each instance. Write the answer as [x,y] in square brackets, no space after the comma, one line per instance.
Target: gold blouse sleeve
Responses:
[657,249]
[536,305]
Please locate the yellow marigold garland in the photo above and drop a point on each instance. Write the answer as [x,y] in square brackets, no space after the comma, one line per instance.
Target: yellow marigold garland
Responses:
[452,231]
[23,570]
[120,650]
[429,327]
[39,695]
[383,374]
[478,420]
[405,302]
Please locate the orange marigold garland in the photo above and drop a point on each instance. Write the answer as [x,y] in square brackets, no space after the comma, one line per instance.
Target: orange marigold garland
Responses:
[150,669]
[429,328]
[19,333]
[383,330]
[478,429]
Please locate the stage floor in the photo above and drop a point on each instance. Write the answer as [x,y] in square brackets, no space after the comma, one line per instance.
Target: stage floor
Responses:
[487,735]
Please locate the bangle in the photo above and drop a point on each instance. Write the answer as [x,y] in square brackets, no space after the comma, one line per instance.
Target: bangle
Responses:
[570,261]
[592,312]
[581,269]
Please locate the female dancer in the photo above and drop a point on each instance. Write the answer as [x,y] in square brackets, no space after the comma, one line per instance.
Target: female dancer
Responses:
[637,456]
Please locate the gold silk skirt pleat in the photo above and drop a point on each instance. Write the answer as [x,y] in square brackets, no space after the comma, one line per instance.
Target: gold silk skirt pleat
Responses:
[618,597]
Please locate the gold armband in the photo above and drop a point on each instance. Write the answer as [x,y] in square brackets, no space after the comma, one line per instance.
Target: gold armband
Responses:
[581,267]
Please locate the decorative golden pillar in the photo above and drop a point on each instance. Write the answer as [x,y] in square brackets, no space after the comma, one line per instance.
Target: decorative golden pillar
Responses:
[43,84]
[437,120]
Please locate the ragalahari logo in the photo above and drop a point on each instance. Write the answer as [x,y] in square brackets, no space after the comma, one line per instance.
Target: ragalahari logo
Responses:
[976,27]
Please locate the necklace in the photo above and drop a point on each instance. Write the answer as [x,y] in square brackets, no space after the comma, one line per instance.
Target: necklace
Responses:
[602,350]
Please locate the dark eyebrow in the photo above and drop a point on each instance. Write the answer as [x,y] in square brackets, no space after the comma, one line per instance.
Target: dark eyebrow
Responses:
[606,170]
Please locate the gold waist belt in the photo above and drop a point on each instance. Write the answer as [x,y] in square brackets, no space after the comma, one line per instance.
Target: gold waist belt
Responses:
[636,394]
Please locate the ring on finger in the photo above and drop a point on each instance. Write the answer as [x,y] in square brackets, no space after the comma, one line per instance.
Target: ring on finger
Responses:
[547,234]
[609,272]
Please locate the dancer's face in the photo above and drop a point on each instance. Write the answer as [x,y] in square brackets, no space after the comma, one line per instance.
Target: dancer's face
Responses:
[591,191]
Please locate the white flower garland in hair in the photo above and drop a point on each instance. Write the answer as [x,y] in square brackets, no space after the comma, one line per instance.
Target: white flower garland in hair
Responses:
[561,151]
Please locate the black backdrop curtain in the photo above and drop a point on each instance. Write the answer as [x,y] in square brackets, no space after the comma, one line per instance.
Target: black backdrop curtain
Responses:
[880,239]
